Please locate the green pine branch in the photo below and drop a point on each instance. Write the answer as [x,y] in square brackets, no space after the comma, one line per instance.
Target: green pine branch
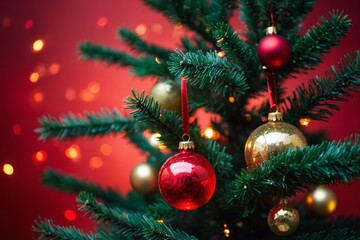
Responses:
[316,100]
[209,72]
[141,66]
[235,49]
[133,224]
[140,46]
[308,50]
[66,183]
[91,124]
[163,211]
[220,10]
[293,171]
[187,12]
[48,230]
[194,44]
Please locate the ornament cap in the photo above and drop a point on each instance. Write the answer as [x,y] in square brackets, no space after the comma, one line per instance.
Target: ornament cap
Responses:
[275,116]
[184,145]
[271,30]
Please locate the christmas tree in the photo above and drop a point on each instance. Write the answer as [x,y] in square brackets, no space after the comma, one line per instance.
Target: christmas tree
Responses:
[235,182]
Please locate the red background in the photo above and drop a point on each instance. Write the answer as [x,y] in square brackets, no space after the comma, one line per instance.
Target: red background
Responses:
[63,25]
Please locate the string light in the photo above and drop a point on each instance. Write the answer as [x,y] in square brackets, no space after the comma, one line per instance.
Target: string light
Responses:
[8,169]
[221,54]
[157,60]
[231,99]
[38,45]
[304,121]
[209,133]
[226,231]
[160,221]
[70,215]
[154,139]
[73,152]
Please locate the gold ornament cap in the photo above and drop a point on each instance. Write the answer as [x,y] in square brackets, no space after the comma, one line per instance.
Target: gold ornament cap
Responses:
[184,145]
[275,116]
[271,30]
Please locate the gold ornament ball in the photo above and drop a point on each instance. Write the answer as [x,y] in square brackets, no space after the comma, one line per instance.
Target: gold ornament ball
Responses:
[143,178]
[167,93]
[272,137]
[321,201]
[283,219]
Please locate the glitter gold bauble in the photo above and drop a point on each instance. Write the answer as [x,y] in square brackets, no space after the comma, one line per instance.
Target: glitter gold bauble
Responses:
[167,93]
[143,178]
[321,201]
[283,219]
[272,137]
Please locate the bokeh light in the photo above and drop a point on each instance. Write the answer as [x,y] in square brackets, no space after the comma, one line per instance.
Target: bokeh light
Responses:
[106,149]
[40,156]
[209,133]
[70,215]
[34,77]
[304,121]
[221,54]
[226,231]
[6,22]
[16,128]
[38,97]
[231,99]
[38,45]
[29,24]
[154,140]
[70,94]
[102,22]
[94,87]
[8,169]
[95,162]
[157,28]
[157,60]
[73,152]
[141,29]
[87,96]
[54,68]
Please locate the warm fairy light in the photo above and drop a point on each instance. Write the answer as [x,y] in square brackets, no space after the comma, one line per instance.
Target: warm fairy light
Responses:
[157,60]
[95,163]
[54,68]
[178,26]
[41,69]
[94,87]
[106,149]
[160,221]
[38,45]
[231,99]
[304,121]
[87,96]
[209,133]
[248,116]
[141,29]
[29,24]
[34,77]
[8,169]
[331,205]
[16,129]
[221,54]
[157,28]
[73,152]
[154,139]
[226,231]
[309,200]
[263,67]
[40,156]
[102,22]
[220,40]
[70,215]
[38,97]
[70,94]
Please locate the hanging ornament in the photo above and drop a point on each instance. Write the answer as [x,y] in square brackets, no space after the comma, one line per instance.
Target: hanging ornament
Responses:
[283,219]
[272,137]
[274,51]
[143,178]
[167,93]
[186,180]
[321,201]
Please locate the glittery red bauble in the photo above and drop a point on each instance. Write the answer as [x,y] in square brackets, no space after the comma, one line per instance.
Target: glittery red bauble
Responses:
[187,180]
[274,51]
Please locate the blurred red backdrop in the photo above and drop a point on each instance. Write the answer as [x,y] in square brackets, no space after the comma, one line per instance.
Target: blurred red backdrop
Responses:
[65,83]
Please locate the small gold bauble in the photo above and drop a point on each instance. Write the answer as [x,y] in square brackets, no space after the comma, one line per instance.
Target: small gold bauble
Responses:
[167,93]
[272,137]
[321,201]
[283,219]
[143,178]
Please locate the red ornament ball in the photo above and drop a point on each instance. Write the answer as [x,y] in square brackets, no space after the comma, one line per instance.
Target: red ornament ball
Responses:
[274,51]
[187,180]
